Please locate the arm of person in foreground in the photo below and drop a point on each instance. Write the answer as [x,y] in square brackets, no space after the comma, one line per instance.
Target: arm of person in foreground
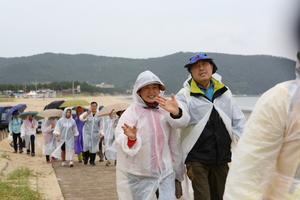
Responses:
[257,151]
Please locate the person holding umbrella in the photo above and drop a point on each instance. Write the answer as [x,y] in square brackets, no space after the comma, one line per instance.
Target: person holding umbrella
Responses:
[28,132]
[14,128]
[50,142]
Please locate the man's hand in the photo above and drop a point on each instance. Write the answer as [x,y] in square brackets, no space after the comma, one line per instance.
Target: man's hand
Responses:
[170,105]
[130,131]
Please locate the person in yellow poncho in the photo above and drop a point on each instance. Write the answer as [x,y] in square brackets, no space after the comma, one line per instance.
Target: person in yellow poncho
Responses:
[267,161]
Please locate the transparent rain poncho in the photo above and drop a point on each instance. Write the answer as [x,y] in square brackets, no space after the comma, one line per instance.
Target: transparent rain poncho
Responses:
[267,163]
[155,159]
[67,129]
[92,128]
[27,131]
[50,142]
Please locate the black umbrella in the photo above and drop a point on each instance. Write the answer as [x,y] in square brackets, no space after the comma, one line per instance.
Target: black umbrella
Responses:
[54,105]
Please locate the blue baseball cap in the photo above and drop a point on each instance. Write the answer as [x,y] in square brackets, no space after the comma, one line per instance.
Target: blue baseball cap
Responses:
[200,57]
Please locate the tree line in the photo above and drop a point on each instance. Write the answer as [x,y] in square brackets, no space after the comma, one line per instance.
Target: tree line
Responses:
[59,86]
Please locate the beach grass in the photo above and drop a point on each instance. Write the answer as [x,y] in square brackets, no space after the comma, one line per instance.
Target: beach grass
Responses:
[5,155]
[18,185]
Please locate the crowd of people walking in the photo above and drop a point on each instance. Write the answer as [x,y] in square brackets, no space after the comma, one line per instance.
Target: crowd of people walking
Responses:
[181,146]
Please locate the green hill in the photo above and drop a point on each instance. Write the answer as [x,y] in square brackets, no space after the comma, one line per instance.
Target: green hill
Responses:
[250,75]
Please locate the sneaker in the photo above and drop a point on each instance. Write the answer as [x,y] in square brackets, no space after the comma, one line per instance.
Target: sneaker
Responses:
[101,160]
[80,161]
[92,163]
[32,154]
[85,161]
[71,164]
[54,159]
[20,151]
[63,163]
[108,163]
[28,152]
[48,161]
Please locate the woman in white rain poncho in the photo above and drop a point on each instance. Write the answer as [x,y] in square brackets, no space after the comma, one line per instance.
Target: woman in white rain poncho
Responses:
[109,137]
[267,162]
[66,132]
[50,142]
[154,161]
[28,132]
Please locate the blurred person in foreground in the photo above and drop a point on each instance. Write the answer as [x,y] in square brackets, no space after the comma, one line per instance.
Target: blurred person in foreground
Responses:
[267,163]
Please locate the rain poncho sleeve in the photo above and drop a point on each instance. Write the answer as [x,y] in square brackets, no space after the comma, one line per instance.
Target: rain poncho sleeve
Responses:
[267,161]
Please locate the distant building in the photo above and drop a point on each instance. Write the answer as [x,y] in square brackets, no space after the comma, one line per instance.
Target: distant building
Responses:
[45,93]
[105,85]
[75,90]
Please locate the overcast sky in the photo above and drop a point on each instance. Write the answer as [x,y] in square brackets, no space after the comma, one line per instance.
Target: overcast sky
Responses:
[144,28]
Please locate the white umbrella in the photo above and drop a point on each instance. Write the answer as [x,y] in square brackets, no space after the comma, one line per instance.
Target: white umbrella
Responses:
[50,113]
[113,108]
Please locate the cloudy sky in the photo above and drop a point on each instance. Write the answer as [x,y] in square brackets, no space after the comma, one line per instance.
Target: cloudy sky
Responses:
[144,28]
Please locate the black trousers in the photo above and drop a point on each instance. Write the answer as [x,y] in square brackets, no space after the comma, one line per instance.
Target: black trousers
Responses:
[31,145]
[16,137]
[87,155]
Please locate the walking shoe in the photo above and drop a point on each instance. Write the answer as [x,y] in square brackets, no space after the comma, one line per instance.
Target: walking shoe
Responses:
[20,151]
[108,163]
[92,163]
[32,154]
[54,159]
[101,160]
[63,163]
[80,161]
[48,161]
[15,151]
[71,164]
[28,152]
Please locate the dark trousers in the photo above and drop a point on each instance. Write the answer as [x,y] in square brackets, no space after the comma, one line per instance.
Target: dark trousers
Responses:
[87,155]
[32,138]
[100,150]
[16,137]
[208,181]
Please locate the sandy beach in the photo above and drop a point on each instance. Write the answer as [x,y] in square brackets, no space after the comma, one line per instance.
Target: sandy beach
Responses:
[47,183]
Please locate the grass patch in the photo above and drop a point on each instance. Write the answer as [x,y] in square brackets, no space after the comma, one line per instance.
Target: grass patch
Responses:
[4,99]
[5,155]
[16,185]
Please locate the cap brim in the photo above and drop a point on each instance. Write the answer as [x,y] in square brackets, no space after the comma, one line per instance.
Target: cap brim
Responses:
[189,64]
